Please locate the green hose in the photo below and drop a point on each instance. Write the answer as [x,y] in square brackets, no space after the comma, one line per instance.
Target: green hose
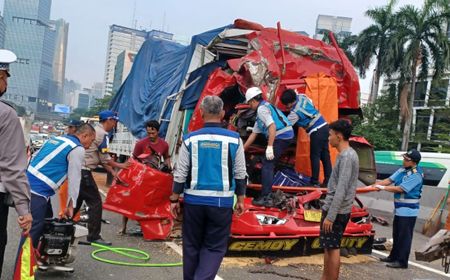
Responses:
[128,252]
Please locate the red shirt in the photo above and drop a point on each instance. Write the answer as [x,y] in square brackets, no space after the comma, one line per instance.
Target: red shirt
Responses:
[143,147]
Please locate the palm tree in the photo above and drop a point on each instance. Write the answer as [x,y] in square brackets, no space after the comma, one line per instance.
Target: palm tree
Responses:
[346,43]
[424,45]
[375,41]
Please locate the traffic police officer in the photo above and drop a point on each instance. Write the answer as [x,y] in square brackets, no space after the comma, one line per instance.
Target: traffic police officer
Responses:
[271,122]
[213,159]
[72,126]
[13,161]
[305,115]
[97,154]
[407,189]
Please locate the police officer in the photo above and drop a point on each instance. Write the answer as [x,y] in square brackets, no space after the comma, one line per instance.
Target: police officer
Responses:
[213,160]
[13,161]
[72,126]
[59,158]
[97,154]
[406,184]
[271,122]
[305,115]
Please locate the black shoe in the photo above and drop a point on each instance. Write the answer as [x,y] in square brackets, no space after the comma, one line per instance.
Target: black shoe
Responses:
[101,241]
[396,265]
[259,201]
[268,202]
[386,259]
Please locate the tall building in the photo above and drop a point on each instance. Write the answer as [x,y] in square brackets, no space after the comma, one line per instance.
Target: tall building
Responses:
[123,67]
[340,26]
[69,87]
[2,32]
[430,111]
[122,38]
[31,36]
[61,29]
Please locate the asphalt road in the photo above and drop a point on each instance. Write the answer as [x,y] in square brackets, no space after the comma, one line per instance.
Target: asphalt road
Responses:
[355,267]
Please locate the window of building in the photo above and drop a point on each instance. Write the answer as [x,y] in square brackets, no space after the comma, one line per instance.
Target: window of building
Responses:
[441,125]
[422,123]
[438,93]
[419,96]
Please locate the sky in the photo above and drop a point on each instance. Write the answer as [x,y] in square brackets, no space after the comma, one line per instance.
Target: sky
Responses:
[89,22]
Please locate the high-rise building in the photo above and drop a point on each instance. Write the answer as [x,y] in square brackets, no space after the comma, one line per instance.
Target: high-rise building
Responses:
[69,87]
[123,67]
[31,37]
[122,38]
[61,28]
[2,32]
[340,26]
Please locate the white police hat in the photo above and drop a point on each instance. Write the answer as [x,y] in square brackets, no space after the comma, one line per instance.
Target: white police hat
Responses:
[6,57]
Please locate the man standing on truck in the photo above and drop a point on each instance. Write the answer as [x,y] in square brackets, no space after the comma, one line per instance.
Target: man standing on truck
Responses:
[97,154]
[339,199]
[271,122]
[305,115]
[14,186]
[406,184]
[210,171]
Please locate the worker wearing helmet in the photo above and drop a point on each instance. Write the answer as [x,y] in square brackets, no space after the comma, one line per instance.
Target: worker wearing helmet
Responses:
[271,122]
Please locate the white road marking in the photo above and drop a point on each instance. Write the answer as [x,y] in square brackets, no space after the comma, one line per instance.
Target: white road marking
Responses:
[416,265]
[102,192]
[179,251]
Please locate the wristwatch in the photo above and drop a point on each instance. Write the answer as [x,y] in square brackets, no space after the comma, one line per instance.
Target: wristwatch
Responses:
[173,200]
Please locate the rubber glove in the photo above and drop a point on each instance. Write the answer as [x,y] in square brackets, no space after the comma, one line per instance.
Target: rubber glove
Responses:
[269,153]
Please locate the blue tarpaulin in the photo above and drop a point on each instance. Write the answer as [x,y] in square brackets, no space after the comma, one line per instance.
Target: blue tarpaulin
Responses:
[158,71]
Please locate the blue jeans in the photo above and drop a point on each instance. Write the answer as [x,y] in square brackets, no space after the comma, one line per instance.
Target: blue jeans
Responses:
[279,146]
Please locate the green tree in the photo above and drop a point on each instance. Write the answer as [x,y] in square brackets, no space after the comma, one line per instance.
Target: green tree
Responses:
[346,43]
[376,41]
[100,105]
[78,113]
[423,45]
[379,125]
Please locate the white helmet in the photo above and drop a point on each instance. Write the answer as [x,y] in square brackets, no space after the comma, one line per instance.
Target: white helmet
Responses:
[252,93]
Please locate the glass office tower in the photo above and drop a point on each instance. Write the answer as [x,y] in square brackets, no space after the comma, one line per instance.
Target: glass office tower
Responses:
[30,35]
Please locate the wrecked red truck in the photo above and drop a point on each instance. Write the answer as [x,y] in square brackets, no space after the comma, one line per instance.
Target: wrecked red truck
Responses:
[168,81]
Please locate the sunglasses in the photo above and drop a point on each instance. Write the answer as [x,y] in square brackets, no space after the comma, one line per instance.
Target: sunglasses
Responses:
[407,159]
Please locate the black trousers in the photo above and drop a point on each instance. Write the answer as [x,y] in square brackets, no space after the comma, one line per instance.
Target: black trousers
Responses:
[279,146]
[41,208]
[402,234]
[4,210]
[319,151]
[89,193]
[206,231]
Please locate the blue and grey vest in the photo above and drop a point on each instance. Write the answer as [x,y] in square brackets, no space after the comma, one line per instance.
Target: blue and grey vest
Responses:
[212,154]
[282,125]
[309,116]
[48,168]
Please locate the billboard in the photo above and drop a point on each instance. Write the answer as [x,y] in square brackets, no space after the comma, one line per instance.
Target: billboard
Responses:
[62,108]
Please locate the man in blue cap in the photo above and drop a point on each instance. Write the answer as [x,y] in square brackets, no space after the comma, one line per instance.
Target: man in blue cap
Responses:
[72,126]
[406,184]
[97,154]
